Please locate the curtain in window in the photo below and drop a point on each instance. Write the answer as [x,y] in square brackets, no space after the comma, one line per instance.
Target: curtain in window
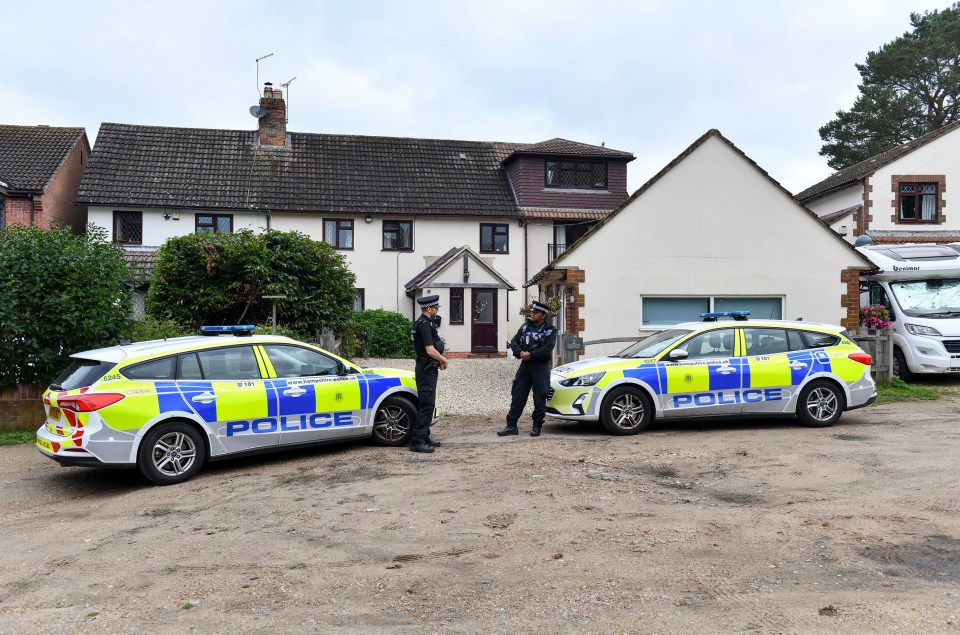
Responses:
[928,205]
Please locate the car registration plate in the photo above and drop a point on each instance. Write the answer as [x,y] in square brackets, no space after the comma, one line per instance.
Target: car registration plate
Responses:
[44,444]
[55,413]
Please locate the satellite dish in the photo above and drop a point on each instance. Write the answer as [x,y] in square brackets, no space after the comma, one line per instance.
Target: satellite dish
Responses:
[258,111]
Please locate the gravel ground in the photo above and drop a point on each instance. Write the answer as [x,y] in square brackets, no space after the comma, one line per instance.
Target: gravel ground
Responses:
[468,386]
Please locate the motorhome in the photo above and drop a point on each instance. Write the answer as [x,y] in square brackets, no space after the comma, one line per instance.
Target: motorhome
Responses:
[920,286]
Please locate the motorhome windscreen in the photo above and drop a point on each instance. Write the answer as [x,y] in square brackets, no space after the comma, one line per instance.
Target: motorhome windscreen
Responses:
[935,298]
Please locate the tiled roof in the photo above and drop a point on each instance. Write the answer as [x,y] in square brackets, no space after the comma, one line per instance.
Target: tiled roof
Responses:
[141,261]
[423,278]
[829,219]
[31,155]
[560,147]
[860,170]
[226,169]
[895,237]
[564,214]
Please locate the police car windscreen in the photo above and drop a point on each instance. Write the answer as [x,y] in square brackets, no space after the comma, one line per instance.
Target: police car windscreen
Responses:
[653,345]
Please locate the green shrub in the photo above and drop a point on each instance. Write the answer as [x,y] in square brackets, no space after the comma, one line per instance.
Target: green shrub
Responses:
[153,328]
[382,333]
[59,294]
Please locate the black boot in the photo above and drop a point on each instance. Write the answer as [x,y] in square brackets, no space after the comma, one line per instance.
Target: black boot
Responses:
[510,429]
[421,447]
[535,430]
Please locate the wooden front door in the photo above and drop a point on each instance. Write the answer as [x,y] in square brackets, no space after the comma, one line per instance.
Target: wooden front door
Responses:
[483,328]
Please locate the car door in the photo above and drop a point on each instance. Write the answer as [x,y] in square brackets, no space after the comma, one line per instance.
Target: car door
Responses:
[776,364]
[316,401]
[226,388]
[707,381]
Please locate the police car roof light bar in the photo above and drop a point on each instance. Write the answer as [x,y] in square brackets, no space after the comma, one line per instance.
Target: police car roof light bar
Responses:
[739,316]
[238,330]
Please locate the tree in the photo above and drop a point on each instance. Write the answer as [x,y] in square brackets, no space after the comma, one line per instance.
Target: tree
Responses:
[59,294]
[222,278]
[910,87]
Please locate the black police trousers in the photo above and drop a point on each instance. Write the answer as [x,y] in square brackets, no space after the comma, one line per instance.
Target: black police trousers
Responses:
[426,373]
[530,375]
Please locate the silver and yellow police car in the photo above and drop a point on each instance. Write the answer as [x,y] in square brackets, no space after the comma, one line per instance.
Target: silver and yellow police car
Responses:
[168,406]
[725,366]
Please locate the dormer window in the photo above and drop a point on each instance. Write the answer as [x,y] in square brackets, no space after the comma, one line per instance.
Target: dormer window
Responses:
[582,175]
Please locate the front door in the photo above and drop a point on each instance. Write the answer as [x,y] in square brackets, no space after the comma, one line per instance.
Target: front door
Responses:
[483,330]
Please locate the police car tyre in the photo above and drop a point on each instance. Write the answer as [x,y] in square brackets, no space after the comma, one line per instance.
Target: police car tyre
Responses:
[900,368]
[171,453]
[820,404]
[393,422]
[626,410]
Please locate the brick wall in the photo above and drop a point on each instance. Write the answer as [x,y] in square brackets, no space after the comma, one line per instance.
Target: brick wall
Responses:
[528,177]
[58,199]
[17,211]
[21,408]
[851,299]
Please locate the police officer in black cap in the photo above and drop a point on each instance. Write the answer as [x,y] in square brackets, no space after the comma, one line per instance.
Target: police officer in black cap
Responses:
[533,344]
[430,360]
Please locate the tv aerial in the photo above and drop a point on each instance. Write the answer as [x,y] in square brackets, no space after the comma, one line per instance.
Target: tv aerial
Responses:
[287,86]
[259,111]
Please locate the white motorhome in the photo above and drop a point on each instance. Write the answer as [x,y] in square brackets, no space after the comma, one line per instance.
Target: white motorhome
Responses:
[920,286]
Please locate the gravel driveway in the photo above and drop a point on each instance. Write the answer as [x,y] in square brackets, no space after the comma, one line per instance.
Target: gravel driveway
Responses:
[759,526]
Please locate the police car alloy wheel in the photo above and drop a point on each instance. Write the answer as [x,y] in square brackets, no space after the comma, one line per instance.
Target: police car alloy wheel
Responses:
[393,422]
[626,411]
[171,453]
[820,404]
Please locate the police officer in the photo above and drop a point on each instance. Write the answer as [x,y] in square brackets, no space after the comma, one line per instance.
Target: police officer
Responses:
[429,349]
[533,344]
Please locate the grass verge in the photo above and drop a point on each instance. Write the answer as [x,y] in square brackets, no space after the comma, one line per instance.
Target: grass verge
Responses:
[898,391]
[16,437]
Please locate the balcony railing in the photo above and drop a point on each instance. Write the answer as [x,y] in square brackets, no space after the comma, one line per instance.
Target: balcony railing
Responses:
[555,249]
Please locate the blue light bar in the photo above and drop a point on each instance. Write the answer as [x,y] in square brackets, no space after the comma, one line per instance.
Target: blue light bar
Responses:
[238,330]
[736,315]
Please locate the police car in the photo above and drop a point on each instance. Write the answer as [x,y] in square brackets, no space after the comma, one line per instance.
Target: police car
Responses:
[718,367]
[168,406]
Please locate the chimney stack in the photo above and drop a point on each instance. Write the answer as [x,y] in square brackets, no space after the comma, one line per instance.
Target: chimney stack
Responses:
[273,125]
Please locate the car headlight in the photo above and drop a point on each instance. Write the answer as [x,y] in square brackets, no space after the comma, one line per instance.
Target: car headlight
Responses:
[582,380]
[916,329]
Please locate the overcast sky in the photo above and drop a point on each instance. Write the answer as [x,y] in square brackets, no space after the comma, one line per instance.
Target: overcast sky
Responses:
[645,76]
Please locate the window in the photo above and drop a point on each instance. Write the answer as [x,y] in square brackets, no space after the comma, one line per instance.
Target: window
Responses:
[577,174]
[398,235]
[917,202]
[494,239]
[128,228]
[716,343]
[3,213]
[294,361]
[762,341]
[162,368]
[359,300]
[214,223]
[338,233]
[456,305]
[234,363]
[659,310]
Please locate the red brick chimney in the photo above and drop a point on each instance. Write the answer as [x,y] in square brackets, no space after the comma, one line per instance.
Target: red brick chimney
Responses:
[273,125]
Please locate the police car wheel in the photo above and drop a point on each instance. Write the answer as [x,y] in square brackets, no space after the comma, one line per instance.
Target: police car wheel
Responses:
[820,405]
[626,410]
[171,453]
[393,422]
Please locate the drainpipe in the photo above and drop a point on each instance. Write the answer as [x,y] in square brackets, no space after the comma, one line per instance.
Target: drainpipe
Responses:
[526,257]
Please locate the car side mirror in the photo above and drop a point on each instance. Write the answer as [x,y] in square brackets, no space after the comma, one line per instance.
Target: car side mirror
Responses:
[677,355]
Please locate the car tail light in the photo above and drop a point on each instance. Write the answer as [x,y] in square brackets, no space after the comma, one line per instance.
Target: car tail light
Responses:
[89,402]
[863,358]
